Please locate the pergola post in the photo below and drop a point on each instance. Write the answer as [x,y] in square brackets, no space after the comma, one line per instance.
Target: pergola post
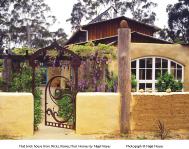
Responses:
[33,80]
[7,72]
[124,74]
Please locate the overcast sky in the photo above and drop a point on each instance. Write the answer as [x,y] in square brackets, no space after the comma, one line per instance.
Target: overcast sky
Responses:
[62,10]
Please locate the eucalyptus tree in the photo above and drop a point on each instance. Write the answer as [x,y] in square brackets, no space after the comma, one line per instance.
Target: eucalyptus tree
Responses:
[26,23]
[178,21]
[140,10]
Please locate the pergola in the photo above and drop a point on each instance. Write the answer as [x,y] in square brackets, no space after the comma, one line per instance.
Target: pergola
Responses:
[43,56]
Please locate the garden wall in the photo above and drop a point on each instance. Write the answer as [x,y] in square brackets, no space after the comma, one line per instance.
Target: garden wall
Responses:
[170,108]
[97,113]
[16,114]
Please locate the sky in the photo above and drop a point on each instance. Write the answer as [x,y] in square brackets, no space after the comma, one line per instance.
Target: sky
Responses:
[62,10]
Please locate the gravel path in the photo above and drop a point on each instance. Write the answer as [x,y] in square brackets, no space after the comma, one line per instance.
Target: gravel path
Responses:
[54,133]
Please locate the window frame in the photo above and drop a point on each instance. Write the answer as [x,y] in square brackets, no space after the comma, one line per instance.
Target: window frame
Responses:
[154,81]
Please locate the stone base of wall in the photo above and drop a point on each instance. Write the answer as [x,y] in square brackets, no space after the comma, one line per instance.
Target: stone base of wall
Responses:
[16,114]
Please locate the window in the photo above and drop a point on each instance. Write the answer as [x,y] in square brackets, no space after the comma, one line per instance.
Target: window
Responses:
[147,71]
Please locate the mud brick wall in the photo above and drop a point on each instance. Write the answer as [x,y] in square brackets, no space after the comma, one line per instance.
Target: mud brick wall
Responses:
[171,109]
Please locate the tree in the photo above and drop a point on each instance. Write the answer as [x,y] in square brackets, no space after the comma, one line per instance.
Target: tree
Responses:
[77,14]
[26,23]
[178,22]
[166,34]
[88,9]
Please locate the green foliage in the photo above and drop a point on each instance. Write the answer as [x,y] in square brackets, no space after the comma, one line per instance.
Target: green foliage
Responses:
[178,20]
[140,10]
[1,83]
[37,113]
[52,53]
[96,59]
[5,137]
[22,51]
[22,82]
[65,107]
[19,17]
[167,81]
[37,108]
[133,82]
[1,62]
[142,138]
[90,49]
[111,82]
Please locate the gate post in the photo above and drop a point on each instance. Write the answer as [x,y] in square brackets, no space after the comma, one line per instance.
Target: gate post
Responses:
[124,74]
[75,68]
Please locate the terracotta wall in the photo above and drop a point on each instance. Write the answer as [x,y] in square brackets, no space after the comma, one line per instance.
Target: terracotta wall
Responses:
[171,109]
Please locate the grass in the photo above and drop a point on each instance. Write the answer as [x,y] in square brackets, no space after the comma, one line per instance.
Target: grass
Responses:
[141,138]
[5,137]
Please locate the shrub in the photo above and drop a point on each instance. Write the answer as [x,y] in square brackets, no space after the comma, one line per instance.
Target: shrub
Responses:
[37,113]
[162,131]
[1,82]
[133,82]
[167,81]
[37,108]
[22,82]
[65,108]
[111,82]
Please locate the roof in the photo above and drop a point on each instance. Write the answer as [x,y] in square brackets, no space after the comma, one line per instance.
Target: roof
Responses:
[73,35]
[136,37]
[148,39]
[117,18]
[155,28]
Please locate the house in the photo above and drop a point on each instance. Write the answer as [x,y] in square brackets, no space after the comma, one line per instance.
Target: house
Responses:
[106,32]
[150,56]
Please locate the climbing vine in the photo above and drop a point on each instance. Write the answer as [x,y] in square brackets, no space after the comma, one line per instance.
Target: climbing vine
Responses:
[95,61]
[90,50]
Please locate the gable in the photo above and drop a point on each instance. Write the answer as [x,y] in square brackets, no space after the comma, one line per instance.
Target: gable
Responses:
[109,28]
